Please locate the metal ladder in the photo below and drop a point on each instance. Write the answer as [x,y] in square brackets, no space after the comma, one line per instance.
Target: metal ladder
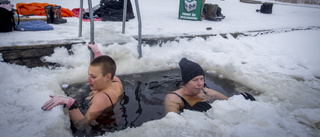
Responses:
[123,24]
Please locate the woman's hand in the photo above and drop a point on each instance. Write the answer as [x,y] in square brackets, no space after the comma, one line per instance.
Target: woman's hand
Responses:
[58,100]
[95,49]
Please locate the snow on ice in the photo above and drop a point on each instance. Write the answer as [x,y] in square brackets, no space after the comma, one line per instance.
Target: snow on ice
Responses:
[283,66]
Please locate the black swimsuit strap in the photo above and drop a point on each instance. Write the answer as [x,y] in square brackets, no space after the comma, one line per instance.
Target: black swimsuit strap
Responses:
[109,99]
[186,104]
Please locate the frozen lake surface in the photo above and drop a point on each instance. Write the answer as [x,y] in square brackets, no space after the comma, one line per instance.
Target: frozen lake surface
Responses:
[283,66]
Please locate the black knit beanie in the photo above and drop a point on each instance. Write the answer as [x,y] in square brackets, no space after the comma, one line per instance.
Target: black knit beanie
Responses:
[189,70]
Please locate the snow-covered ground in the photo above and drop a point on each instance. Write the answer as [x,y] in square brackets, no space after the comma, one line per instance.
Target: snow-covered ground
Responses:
[283,66]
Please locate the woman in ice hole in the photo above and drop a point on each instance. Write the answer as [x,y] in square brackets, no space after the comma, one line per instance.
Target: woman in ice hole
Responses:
[107,90]
[193,95]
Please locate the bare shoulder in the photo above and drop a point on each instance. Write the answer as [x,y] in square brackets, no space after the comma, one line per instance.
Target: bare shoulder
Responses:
[99,97]
[116,81]
[172,98]
[172,103]
[100,102]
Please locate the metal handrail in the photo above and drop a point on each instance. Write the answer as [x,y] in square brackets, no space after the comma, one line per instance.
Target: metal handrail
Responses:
[123,24]
[80,18]
[139,27]
[124,16]
[91,28]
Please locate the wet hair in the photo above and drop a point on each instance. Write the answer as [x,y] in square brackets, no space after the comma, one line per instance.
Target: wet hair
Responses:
[107,64]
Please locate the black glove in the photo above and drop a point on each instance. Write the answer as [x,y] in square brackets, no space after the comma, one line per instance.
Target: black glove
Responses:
[248,96]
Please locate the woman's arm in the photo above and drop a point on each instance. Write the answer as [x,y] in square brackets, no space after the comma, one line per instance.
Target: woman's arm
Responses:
[68,102]
[99,104]
[215,94]
[172,103]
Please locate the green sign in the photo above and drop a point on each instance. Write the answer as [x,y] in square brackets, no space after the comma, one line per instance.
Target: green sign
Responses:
[190,9]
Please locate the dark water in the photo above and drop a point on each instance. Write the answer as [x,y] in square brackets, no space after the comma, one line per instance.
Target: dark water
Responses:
[144,94]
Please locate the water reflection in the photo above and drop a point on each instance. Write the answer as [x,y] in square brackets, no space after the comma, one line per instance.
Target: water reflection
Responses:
[139,110]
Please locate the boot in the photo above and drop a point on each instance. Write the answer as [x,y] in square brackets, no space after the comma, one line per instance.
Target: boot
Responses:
[57,18]
[49,13]
[210,13]
[213,13]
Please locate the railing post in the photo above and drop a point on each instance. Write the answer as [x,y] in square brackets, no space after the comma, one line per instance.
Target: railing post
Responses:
[80,18]
[91,28]
[124,16]
[139,27]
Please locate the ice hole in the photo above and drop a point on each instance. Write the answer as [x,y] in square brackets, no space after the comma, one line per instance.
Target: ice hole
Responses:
[143,98]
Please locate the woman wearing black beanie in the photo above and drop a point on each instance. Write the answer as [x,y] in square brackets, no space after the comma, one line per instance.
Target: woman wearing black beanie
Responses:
[193,95]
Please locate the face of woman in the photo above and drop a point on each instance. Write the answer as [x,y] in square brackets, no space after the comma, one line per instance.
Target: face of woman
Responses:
[95,78]
[195,85]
